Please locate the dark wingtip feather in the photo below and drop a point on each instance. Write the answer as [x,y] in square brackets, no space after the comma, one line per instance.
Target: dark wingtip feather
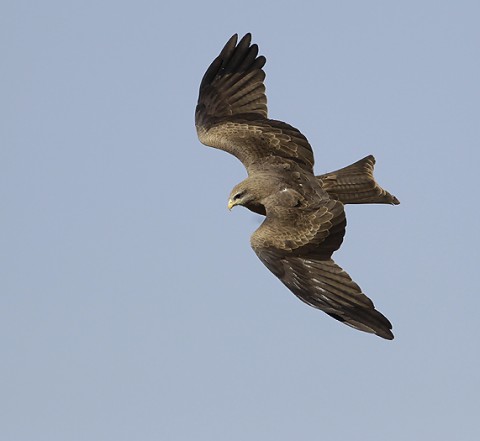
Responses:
[229,45]
[238,54]
[233,83]
[387,335]
[219,61]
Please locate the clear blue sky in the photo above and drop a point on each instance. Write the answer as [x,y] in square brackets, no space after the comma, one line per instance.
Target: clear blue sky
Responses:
[131,304]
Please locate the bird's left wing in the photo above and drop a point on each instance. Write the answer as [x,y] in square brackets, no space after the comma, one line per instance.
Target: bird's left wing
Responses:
[296,245]
[231,113]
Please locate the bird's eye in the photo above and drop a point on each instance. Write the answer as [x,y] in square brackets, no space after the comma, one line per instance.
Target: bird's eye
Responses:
[237,196]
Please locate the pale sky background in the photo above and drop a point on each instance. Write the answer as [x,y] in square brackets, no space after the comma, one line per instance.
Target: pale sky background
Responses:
[131,304]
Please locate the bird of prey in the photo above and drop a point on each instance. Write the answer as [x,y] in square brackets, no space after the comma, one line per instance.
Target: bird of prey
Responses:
[305,218]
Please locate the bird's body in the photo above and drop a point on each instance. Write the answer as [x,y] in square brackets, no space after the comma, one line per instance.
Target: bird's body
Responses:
[305,218]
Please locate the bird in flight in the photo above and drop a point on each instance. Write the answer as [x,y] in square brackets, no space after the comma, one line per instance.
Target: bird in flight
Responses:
[304,214]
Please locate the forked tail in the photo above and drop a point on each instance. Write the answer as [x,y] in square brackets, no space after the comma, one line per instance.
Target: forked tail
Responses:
[355,184]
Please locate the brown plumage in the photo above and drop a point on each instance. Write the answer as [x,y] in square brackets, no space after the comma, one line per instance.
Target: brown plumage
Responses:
[305,218]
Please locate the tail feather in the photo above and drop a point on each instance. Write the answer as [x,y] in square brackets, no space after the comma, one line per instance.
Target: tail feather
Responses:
[355,184]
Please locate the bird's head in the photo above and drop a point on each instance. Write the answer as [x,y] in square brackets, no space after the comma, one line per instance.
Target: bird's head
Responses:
[252,192]
[242,194]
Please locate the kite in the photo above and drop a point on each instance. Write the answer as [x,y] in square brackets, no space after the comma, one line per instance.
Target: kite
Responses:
[304,214]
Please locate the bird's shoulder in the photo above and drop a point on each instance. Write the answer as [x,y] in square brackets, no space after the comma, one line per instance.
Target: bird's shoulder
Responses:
[290,177]
[298,213]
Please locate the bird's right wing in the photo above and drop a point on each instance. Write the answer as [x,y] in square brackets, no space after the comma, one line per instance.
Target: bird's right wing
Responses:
[231,113]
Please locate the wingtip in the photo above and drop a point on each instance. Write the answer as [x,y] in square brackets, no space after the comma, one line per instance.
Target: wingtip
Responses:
[247,36]
[386,334]
[234,38]
[229,47]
